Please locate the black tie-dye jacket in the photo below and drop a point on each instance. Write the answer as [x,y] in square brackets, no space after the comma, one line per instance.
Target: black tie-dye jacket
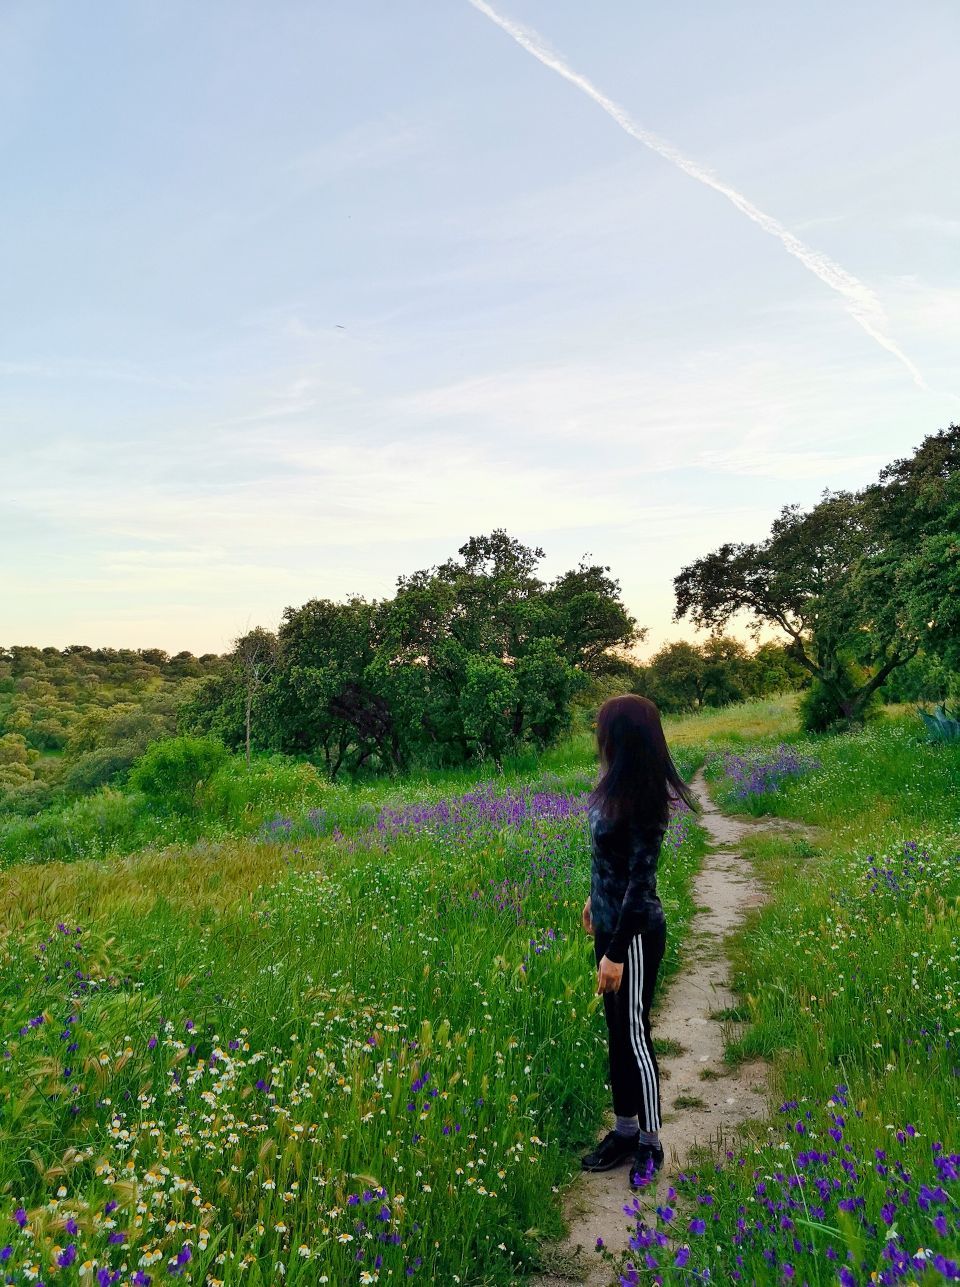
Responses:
[623,881]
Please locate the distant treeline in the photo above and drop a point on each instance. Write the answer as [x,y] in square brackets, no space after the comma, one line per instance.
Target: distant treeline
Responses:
[76,718]
[473,659]
[479,657]
[685,677]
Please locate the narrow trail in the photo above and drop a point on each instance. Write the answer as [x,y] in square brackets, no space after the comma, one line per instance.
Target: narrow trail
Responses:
[703,1101]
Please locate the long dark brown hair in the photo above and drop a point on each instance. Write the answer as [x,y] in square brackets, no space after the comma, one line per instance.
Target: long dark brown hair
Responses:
[638,778]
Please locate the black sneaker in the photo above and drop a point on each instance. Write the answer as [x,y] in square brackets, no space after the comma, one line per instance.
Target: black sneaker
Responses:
[647,1161]
[613,1150]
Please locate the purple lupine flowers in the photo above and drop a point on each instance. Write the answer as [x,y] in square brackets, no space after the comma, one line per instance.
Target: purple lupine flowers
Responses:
[764,772]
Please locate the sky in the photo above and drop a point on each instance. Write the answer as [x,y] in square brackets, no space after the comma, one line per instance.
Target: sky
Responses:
[296,298]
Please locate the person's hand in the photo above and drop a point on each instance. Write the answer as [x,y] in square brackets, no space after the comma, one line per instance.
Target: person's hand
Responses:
[609,975]
[586,918]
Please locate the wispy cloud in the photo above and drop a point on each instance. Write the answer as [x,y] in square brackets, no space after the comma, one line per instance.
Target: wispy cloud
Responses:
[861,303]
[70,369]
[936,224]
[331,494]
[820,221]
[761,457]
[676,408]
[370,145]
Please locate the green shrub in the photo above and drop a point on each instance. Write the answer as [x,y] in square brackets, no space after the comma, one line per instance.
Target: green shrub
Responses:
[239,796]
[26,800]
[922,679]
[95,769]
[172,774]
[102,824]
[820,707]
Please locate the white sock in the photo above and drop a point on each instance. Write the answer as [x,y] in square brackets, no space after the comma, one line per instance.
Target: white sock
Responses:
[627,1125]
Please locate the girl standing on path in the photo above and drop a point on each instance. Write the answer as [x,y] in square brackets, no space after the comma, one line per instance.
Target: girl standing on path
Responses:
[628,812]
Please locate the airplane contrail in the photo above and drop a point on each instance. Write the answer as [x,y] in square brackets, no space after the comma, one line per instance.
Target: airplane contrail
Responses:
[861,303]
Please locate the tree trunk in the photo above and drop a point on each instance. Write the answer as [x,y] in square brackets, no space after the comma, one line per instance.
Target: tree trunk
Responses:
[341,751]
[249,710]
[860,699]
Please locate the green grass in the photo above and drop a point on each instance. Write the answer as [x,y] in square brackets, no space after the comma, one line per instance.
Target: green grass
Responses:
[733,726]
[853,945]
[689,1101]
[873,785]
[233,1038]
[667,1046]
[338,971]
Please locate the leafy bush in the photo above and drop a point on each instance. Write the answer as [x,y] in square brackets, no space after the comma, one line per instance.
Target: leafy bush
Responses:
[112,822]
[238,796]
[922,679]
[28,799]
[172,773]
[102,824]
[818,709]
[95,769]
[16,761]
[821,707]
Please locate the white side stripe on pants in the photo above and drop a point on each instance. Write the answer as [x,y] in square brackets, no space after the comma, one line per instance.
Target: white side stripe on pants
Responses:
[636,1037]
[642,1054]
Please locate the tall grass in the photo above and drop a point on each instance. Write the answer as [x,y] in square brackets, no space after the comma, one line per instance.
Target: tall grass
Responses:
[234,801]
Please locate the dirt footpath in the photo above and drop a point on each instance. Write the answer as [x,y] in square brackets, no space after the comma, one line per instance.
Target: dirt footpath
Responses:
[703,1101]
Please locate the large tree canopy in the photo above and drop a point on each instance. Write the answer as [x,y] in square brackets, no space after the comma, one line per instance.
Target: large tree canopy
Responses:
[859,584]
[816,578]
[916,509]
[470,658]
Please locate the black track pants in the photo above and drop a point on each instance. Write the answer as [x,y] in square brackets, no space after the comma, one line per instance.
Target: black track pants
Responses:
[634,1075]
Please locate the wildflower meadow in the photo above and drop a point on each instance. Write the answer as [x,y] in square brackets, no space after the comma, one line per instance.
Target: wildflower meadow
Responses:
[331,1052]
[355,1040]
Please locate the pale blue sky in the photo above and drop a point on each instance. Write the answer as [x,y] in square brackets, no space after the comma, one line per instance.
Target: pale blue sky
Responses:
[545,326]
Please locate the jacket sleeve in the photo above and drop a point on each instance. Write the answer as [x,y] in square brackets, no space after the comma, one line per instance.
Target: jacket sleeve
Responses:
[633,909]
